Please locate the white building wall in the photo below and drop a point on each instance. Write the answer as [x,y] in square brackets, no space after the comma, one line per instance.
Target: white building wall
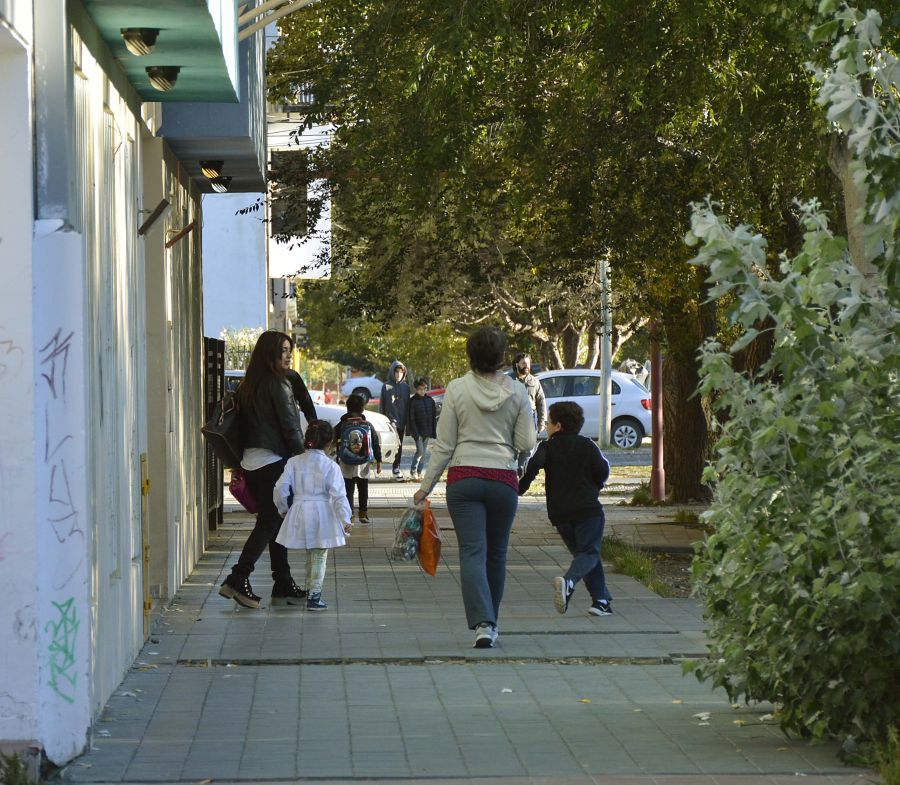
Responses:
[18,369]
[234,264]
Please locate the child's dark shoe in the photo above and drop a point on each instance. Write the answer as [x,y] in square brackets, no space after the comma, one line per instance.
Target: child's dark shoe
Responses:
[562,591]
[600,608]
[314,602]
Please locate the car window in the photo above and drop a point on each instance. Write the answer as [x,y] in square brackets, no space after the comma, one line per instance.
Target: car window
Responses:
[554,386]
[615,389]
[585,385]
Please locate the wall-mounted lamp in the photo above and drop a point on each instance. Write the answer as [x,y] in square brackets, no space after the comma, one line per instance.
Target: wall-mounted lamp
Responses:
[163,77]
[139,40]
[161,210]
[220,184]
[211,169]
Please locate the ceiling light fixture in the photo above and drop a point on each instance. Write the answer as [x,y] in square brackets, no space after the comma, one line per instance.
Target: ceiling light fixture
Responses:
[211,169]
[163,77]
[139,40]
[220,184]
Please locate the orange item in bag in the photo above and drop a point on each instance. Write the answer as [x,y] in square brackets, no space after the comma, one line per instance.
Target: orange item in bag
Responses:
[430,543]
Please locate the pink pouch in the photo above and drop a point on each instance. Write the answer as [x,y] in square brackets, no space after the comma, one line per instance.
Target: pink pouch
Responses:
[240,490]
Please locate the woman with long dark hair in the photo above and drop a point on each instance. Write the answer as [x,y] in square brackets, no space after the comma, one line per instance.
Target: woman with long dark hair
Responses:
[272,433]
[486,425]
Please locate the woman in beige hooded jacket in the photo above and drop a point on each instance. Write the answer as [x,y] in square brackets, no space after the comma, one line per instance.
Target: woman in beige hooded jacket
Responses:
[486,424]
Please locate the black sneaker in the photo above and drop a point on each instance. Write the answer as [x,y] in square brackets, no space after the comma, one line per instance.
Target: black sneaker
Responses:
[485,635]
[287,593]
[562,592]
[601,608]
[363,517]
[239,590]
[314,602]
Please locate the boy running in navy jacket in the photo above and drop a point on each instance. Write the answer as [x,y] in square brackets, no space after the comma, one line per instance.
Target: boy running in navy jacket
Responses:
[575,471]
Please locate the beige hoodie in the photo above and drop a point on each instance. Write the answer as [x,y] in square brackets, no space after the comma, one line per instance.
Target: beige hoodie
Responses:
[486,421]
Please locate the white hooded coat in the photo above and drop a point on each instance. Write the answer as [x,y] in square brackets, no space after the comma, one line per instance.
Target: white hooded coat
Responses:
[486,421]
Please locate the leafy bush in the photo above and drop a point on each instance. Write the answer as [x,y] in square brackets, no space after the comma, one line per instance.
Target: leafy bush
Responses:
[801,579]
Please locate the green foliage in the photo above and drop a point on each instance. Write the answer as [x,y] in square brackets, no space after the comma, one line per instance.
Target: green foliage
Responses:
[13,771]
[642,496]
[239,345]
[633,562]
[801,579]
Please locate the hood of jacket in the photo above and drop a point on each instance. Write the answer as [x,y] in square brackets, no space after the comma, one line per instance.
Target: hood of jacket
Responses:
[394,365]
[488,393]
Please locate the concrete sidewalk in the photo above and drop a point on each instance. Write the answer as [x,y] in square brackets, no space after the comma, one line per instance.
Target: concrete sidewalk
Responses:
[385,686]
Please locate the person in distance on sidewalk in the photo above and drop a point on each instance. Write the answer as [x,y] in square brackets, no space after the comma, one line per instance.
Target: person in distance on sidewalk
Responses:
[575,471]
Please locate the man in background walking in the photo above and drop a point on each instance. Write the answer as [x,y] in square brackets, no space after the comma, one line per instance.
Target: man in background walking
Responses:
[521,371]
[394,404]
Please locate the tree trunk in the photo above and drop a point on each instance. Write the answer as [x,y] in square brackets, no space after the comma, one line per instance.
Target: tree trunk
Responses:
[862,251]
[686,417]
[569,340]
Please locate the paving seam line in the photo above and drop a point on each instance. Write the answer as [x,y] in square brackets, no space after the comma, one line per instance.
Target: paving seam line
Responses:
[431,660]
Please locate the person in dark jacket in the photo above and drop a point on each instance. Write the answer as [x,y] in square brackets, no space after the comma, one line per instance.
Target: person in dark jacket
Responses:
[301,395]
[394,404]
[422,426]
[575,471]
[272,432]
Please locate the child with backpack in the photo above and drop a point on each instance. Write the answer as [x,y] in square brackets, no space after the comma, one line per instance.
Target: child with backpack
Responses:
[575,471]
[357,446]
[318,516]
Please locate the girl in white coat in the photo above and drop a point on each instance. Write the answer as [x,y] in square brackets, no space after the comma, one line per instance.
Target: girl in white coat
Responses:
[319,515]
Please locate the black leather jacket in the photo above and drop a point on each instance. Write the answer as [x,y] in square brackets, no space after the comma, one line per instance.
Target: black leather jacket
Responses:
[274,421]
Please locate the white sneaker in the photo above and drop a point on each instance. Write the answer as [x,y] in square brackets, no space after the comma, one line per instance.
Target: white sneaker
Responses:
[485,636]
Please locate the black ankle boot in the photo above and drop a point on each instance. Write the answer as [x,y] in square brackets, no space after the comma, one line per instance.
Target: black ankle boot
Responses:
[239,590]
[286,592]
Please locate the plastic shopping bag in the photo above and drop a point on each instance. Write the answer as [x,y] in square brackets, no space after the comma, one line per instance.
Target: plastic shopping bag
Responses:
[406,537]
[429,541]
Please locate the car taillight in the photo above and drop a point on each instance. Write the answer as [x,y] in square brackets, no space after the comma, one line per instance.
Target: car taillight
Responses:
[645,402]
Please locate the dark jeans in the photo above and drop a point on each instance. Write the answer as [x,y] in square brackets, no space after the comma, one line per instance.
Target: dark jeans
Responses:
[399,455]
[262,484]
[583,539]
[482,512]
[363,484]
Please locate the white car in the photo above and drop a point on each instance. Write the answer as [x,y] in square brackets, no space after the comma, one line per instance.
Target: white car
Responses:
[366,387]
[387,434]
[629,402]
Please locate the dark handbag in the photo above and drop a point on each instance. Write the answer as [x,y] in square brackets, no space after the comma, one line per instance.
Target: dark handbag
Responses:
[241,491]
[223,431]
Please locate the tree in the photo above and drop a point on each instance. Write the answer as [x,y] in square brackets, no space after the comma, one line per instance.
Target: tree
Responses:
[800,580]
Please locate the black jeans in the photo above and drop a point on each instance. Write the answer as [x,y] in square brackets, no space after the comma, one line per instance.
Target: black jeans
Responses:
[262,484]
[399,455]
[363,484]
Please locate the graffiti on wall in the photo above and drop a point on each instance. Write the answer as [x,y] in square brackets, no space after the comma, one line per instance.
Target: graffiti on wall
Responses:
[64,631]
[62,514]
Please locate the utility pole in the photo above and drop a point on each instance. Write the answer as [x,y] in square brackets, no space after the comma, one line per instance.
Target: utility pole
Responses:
[605,353]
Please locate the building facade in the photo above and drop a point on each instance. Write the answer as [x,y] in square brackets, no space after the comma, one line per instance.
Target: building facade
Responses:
[111,140]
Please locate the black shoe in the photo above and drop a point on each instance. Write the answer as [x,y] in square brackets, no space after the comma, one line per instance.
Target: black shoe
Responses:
[315,602]
[363,517]
[287,593]
[600,608]
[239,590]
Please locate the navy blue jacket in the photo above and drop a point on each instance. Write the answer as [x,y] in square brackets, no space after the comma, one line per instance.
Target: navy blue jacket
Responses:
[575,471]
[422,417]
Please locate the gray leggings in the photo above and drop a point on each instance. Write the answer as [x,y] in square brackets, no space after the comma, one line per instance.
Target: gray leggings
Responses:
[482,512]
